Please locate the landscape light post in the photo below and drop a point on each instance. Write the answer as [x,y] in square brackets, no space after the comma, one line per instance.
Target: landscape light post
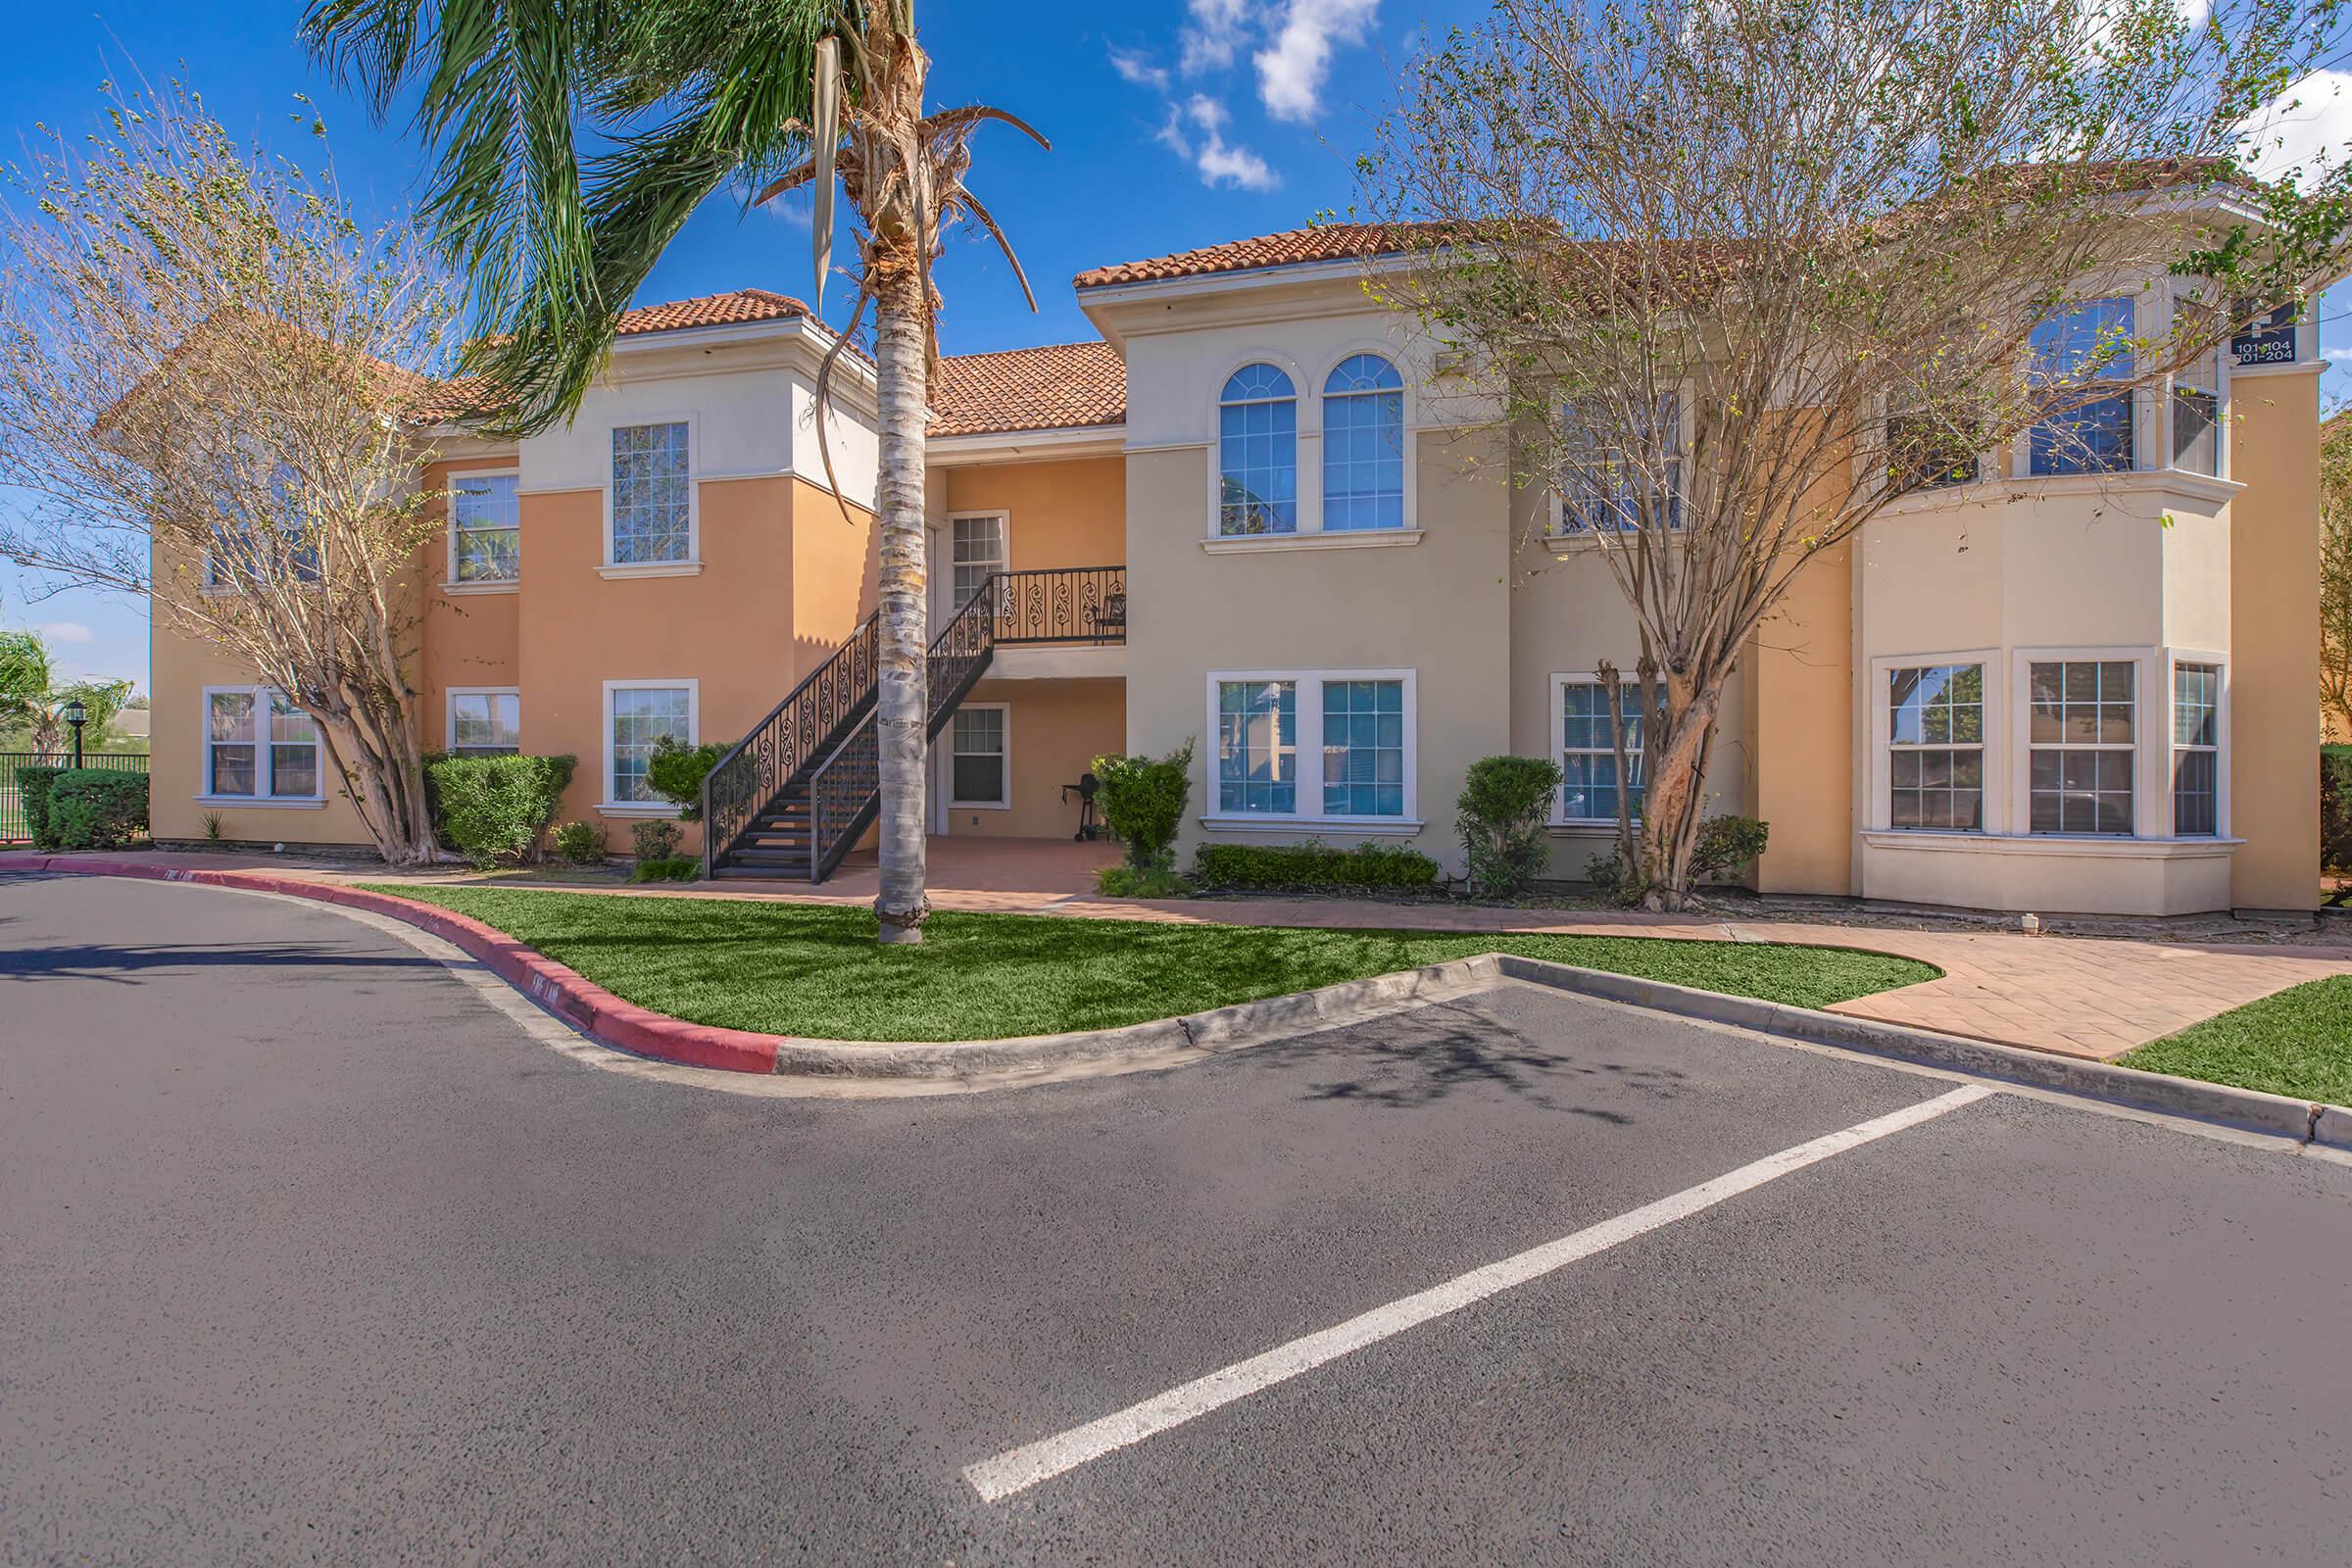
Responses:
[76,715]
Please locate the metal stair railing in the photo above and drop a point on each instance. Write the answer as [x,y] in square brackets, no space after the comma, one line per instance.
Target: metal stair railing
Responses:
[794,734]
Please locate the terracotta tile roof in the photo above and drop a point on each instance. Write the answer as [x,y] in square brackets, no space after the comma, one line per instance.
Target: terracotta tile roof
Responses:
[1057,387]
[712,310]
[1325,242]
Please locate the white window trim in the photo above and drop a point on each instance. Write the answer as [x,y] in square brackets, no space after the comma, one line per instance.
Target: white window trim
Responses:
[262,780]
[1880,817]
[1560,681]
[947,578]
[2151,748]
[2174,657]
[692,566]
[1309,702]
[949,752]
[495,585]
[1306,406]
[449,711]
[1410,409]
[612,807]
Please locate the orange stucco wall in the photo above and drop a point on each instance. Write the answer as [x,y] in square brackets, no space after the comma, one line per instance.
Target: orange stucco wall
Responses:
[1071,513]
[1055,729]
[2274,636]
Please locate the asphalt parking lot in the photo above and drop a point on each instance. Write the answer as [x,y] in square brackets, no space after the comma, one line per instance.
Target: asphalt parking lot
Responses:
[313,1255]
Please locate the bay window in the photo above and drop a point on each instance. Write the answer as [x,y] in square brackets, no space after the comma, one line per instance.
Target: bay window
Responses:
[2074,352]
[1936,747]
[2196,750]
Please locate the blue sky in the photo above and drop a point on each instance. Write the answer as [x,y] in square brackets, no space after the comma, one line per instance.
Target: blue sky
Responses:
[1176,123]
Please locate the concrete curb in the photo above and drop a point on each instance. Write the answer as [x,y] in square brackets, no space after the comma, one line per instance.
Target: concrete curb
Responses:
[2303,1120]
[614,1021]
[605,1017]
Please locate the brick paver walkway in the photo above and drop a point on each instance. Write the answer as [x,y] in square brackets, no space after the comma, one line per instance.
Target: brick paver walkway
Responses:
[2078,996]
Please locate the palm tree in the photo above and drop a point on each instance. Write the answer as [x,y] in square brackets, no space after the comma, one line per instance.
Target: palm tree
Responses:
[774,95]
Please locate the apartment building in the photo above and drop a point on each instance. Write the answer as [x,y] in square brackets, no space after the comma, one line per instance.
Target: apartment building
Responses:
[1241,519]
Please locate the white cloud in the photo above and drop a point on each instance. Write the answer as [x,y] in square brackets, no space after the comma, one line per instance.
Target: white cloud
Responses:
[1216,30]
[1218,162]
[1292,71]
[64,631]
[1137,69]
[2311,120]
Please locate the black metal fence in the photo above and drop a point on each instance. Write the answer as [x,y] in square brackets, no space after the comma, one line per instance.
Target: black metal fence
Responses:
[1062,605]
[14,828]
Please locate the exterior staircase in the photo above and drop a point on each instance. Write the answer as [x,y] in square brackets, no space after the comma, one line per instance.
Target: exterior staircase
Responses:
[793,795]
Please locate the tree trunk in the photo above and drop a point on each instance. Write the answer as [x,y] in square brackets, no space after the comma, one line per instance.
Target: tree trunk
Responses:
[902,705]
[1671,795]
[387,787]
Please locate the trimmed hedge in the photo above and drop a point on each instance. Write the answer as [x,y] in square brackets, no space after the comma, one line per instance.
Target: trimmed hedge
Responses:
[82,807]
[494,810]
[1142,800]
[33,782]
[1313,865]
[2336,807]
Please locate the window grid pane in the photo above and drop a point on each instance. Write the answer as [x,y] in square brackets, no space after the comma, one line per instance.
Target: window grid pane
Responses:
[642,715]
[1936,751]
[1602,488]
[1364,446]
[1258,738]
[1589,761]
[651,494]
[978,549]
[2084,345]
[1363,747]
[1257,452]
[2080,727]
[485,724]
[486,514]
[2196,750]
[976,772]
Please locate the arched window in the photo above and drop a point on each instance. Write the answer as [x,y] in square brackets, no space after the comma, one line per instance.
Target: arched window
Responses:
[1257,452]
[1363,445]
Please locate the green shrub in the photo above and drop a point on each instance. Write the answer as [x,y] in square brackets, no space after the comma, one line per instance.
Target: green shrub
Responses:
[655,839]
[1142,799]
[33,783]
[496,809]
[2336,806]
[1501,813]
[1313,865]
[1139,882]
[675,772]
[1727,844]
[580,843]
[96,807]
[667,868]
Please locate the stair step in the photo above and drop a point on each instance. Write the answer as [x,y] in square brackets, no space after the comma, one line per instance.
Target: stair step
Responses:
[762,874]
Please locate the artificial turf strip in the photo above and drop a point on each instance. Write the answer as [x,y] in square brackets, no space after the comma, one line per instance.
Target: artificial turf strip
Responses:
[815,970]
[2296,1043]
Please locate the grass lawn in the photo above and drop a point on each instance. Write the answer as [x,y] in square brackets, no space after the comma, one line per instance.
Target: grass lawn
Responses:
[2296,1043]
[815,969]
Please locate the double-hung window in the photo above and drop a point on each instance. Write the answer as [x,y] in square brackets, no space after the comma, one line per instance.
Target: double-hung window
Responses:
[978,546]
[1589,782]
[2196,750]
[1610,477]
[977,770]
[259,746]
[2197,416]
[2081,731]
[486,529]
[485,724]
[638,715]
[1926,451]
[1361,722]
[1257,452]
[1364,446]
[652,495]
[2076,353]
[1936,747]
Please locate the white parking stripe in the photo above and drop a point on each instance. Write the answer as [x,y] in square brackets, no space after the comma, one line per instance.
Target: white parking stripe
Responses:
[1020,1468]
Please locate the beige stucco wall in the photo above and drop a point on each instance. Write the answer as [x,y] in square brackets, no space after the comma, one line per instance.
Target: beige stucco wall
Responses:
[1440,608]
[2274,593]
[1055,729]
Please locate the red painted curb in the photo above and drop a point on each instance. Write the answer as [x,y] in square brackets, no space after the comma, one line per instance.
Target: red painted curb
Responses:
[581,1003]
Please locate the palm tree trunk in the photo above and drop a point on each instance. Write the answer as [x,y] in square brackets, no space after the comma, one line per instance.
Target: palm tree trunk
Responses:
[902,703]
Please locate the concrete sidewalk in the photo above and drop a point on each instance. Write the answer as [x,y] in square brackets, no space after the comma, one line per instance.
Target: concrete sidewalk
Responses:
[2081,997]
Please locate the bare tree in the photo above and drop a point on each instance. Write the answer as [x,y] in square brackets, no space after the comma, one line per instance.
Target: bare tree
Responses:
[2335,575]
[1745,271]
[214,383]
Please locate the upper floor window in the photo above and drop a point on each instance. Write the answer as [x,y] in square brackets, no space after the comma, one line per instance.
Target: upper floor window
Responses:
[485,529]
[2080,348]
[2197,416]
[1609,476]
[247,551]
[1257,452]
[1363,445]
[1929,451]
[652,506]
[979,550]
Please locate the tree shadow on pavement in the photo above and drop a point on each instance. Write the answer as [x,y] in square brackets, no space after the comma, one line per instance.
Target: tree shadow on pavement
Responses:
[124,964]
